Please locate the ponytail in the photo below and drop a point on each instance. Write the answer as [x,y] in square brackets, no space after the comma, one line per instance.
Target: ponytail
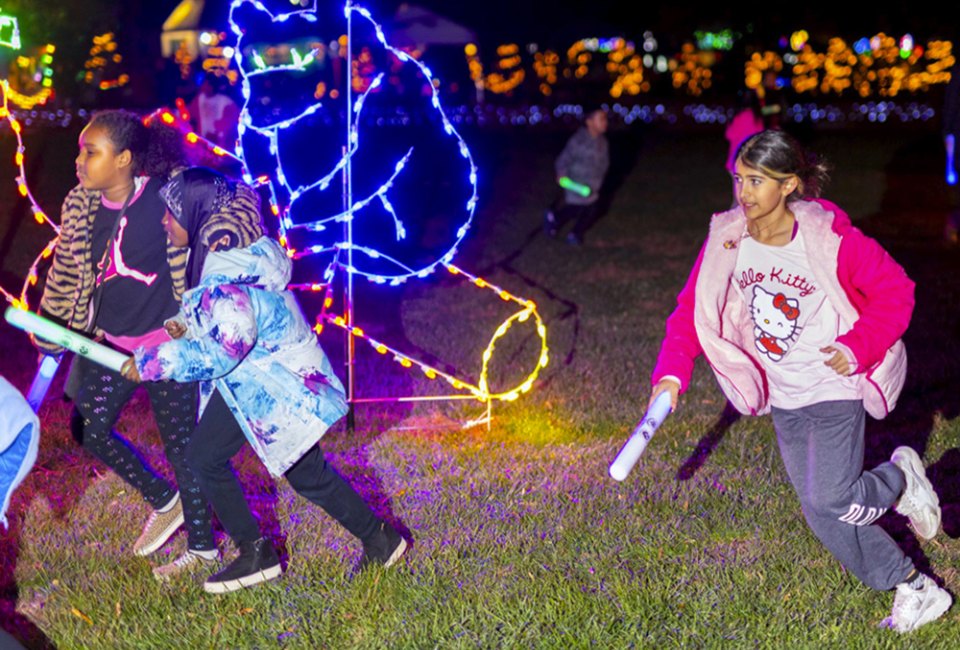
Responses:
[779,156]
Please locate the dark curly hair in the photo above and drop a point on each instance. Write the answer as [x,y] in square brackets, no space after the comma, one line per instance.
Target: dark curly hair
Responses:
[780,156]
[156,150]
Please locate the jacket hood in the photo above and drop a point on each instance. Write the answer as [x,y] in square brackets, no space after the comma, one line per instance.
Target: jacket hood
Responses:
[841,221]
[263,264]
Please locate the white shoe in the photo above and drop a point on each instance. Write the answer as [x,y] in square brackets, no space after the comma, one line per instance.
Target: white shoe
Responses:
[915,607]
[918,503]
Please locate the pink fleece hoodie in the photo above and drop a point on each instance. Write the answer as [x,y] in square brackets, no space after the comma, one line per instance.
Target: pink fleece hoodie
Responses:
[869,290]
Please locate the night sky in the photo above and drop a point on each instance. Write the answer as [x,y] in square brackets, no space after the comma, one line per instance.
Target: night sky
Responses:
[566,20]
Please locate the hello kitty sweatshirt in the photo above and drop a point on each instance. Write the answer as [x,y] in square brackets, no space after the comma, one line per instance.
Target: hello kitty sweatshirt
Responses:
[868,289]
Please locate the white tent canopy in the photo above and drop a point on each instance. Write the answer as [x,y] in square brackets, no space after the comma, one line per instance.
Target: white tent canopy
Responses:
[417,26]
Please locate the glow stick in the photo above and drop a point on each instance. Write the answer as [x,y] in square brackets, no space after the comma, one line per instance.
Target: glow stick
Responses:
[950,141]
[77,343]
[41,381]
[568,183]
[631,451]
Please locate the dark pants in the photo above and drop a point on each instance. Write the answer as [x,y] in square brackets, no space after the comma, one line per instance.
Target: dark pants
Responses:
[822,449]
[102,395]
[582,216]
[219,437]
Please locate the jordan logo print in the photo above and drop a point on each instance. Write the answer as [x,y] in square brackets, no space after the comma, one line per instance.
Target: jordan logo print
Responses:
[120,267]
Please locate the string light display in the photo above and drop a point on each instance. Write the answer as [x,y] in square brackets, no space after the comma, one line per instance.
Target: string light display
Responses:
[20,301]
[880,65]
[626,66]
[693,74]
[721,40]
[876,66]
[545,66]
[33,72]
[286,194]
[510,72]
[579,57]
[184,60]
[181,122]
[481,389]
[218,56]
[282,188]
[9,32]
[475,67]
[623,66]
[104,58]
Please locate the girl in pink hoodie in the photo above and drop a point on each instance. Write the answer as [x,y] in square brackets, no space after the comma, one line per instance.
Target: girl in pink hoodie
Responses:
[799,314]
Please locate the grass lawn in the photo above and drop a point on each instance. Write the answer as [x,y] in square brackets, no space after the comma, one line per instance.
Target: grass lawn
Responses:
[520,537]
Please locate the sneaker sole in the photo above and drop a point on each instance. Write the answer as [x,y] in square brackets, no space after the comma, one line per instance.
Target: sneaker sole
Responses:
[397,553]
[226,586]
[911,462]
[936,610]
[162,538]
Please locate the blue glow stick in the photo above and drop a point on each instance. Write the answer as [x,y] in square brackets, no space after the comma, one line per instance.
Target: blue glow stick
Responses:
[950,141]
[568,183]
[41,381]
[77,343]
[631,451]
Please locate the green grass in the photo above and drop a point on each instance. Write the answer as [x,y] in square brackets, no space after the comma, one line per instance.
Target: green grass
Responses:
[520,538]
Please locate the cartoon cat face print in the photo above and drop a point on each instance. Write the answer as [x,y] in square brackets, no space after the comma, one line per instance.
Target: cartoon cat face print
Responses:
[775,322]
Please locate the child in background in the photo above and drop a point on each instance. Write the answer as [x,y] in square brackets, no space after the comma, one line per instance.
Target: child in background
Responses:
[800,314]
[585,160]
[265,381]
[114,274]
[951,131]
[747,122]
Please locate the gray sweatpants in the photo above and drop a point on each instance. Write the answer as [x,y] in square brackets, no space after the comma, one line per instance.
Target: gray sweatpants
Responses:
[822,448]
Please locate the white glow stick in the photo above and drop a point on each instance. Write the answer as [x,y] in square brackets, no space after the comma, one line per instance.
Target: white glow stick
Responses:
[77,343]
[631,451]
[41,381]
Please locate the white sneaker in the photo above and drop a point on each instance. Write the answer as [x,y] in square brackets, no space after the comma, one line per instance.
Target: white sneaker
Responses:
[189,561]
[915,607]
[918,503]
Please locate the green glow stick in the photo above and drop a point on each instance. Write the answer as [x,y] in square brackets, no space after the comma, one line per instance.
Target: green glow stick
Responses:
[77,343]
[569,184]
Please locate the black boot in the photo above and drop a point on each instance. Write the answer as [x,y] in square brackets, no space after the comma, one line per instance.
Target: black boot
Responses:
[258,562]
[384,547]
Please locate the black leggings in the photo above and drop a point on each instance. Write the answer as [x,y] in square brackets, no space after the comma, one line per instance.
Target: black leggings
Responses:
[219,437]
[102,395]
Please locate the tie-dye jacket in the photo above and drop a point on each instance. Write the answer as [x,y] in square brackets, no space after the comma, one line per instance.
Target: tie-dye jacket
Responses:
[247,338]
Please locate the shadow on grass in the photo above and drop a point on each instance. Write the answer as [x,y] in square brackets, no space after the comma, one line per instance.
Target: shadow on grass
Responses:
[16,630]
[708,443]
[60,476]
[357,467]
[569,310]
[913,225]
